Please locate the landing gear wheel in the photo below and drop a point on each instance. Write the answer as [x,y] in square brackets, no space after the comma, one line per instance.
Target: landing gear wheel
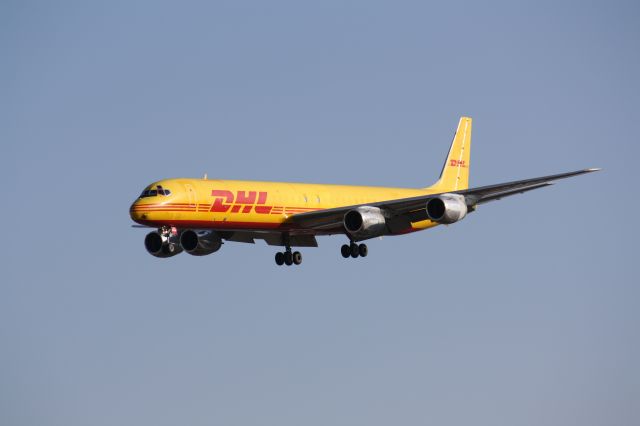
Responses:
[363,250]
[354,250]
[288,258]
[279,258]
[297,257]
[345,250]
[171,248]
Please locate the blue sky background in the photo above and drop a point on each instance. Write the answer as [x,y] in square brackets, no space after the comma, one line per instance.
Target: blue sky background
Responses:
[525,313]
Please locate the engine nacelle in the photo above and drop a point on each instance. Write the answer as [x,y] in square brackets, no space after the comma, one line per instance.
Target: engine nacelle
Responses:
[365,222]
[447,208]
[200,242]
[160,245]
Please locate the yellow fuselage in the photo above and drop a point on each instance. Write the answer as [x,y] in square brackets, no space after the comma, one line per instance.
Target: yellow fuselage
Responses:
[252,205]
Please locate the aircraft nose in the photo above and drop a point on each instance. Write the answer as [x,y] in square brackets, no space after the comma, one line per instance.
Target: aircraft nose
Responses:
[136,213]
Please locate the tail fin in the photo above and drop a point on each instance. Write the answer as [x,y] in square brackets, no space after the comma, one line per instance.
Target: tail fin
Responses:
[455,171]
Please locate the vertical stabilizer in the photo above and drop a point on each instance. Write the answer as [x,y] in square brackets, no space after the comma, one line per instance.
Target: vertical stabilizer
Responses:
[455,171]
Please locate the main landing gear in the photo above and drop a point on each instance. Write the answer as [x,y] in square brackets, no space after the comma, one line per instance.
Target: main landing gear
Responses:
[288,258]
[354,250]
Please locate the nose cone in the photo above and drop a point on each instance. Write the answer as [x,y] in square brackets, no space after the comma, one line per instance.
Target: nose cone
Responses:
[137,214]
[154,202]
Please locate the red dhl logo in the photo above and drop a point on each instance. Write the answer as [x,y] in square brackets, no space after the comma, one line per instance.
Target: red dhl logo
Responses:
[242,200]
[457,163]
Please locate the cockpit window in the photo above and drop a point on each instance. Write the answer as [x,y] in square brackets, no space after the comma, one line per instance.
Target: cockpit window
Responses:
[155,192]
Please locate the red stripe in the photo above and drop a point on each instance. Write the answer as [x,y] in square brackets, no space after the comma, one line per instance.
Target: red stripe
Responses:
[166,204]
[208,224]
[163,207]
[208,206]
[163,210]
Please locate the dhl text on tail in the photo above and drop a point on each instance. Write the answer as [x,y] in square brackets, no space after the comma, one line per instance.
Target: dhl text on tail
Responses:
[198,215]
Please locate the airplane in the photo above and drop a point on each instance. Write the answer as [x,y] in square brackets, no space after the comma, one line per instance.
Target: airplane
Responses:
[198,215]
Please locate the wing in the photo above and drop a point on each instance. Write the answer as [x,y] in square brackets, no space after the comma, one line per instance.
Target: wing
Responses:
[495,192]
[413,208]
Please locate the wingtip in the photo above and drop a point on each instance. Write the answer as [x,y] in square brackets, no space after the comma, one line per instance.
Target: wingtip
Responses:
[593,169]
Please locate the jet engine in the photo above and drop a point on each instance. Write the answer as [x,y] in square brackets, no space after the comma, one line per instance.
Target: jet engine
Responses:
[365,222]
[161,245]
[447,208]
[200,242]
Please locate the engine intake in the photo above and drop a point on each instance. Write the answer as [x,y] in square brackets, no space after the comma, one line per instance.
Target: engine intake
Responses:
[160,245]
[447,208]
[365,222]
[200,243]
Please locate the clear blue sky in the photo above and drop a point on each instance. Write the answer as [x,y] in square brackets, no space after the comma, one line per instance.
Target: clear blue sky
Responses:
[526,313]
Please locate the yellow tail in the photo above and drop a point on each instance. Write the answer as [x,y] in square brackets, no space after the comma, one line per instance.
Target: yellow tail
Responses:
[455,171]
